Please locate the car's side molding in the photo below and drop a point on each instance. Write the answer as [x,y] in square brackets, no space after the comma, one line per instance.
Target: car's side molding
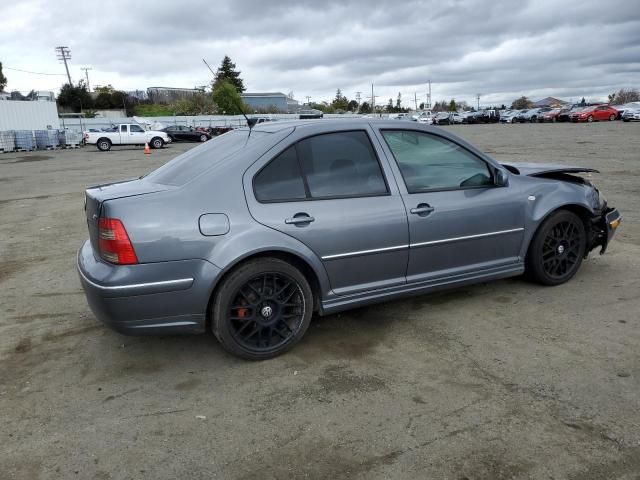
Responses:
[466,237]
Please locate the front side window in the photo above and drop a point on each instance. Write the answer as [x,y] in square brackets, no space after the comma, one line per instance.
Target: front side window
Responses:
[428,162]
[281,179]
[136,129]
[341,164]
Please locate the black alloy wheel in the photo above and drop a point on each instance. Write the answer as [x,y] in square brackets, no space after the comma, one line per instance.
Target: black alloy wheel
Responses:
[557,250]
[262,309]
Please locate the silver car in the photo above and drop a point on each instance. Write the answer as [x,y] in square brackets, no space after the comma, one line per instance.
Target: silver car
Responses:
[249,234]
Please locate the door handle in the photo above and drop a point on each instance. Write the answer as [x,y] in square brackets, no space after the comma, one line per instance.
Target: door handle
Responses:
[423,209]
[299,219]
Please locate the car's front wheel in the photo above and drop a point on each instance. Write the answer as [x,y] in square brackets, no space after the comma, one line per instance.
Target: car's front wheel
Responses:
[203,138]
[157,142]
[590,118]
[262,309]
[557,249]
[612,117]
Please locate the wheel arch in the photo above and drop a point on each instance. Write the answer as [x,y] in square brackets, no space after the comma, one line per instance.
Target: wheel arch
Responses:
[287,256]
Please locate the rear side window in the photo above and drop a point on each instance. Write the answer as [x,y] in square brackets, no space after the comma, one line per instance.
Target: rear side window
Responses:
[123,128]
[332,165]
[280,180]
[341,164]
[429,162]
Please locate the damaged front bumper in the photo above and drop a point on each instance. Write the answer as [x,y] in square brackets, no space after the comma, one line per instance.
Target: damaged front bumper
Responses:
[604,228]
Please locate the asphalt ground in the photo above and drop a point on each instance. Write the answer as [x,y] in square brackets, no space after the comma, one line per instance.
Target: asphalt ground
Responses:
[494,381]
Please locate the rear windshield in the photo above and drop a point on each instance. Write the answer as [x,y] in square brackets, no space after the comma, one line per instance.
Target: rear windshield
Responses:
[192,163]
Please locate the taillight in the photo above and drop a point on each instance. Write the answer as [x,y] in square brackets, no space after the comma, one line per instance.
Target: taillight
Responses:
[115,246]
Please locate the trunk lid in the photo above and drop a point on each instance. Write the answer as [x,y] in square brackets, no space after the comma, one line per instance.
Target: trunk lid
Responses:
[96,195]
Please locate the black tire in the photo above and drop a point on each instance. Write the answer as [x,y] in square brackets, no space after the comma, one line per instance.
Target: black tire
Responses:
[590,118]
[262,309]
[612,117]
[103,144]
[203,138]
[156,142]
[557,249]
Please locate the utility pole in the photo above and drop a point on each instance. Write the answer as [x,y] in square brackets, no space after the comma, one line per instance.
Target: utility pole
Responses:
[358,97]
[478,98]
[308,97]
[86,73]
[415,99]
[429,95]
[373,100]
[64,54]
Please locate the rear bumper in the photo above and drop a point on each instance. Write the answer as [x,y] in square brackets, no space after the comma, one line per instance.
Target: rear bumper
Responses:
[151,298]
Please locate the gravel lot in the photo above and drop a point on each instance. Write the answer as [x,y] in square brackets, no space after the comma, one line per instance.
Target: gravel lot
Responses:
[496,381]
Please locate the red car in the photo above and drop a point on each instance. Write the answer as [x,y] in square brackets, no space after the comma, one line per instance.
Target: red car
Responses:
[550,116]
[594,113]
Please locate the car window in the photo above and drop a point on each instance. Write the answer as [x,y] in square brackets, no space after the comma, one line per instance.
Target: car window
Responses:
[341,164]
[123,128]
[136,129]
[281,179]
[428,162]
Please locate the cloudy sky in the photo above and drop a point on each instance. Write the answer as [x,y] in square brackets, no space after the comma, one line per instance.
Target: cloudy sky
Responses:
[499,48]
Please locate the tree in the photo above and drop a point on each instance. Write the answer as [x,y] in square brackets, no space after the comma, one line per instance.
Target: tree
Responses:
[521,103]
[399,102]
[227,73]
[228,99]
[365,107]
[340,102]
[452,105]
[198,104]
[75,97]
[624,95]
[389,108]
[352,106]
[583,102]
[3,79]
[421,106]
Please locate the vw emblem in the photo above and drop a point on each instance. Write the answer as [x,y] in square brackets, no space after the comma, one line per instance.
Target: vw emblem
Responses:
[266,311]
[560,249]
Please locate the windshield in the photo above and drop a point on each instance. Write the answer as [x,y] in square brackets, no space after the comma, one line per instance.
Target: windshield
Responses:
[193,162]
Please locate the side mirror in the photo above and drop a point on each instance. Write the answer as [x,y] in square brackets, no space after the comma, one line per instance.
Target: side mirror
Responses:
[501,178]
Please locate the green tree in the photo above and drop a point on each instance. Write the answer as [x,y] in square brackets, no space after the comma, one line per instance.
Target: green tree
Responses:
[421,106]
[227,99]
[365,107]
[227,73]
[340,102]
[3,79]
[452,105]
[352,106]
[199,104]
[583,102]
[521,103]
[75,97]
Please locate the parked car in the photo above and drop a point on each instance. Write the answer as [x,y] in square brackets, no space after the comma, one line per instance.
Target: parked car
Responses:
[487,116]
[424,117]
[631,115]
[509,116]
[126,134]
[594,113]
[442,118]
[310,114]
[565,113]
[529,115]
[627,106]
[252,232]
[549,116]
[187,134]
[423,113]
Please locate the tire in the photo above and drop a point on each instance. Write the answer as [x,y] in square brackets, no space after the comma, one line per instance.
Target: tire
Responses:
[103,144]
[557,249]
[612,117]
[590,118]
[247,317]
[156,142]
[203,138]
[553,120]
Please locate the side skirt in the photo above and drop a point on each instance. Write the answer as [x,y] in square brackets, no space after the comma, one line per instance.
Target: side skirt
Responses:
[338,304]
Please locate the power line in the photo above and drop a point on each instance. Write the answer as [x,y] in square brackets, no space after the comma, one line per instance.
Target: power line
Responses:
[33,73]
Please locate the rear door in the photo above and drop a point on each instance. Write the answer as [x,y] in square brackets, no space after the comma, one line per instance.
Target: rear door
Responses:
[330,191]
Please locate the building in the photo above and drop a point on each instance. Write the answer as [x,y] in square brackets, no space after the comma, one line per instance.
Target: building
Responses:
[169,94]
[549,102]
[21,115]
[267,102]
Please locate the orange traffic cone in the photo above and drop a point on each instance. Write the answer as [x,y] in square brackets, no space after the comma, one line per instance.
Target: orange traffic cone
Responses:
[147,150]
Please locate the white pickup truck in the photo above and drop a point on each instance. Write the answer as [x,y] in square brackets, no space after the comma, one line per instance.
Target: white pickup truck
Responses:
[126,134]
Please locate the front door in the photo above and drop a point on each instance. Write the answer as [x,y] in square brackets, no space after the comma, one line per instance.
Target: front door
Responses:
[137,135]
[460,222]
[330,192]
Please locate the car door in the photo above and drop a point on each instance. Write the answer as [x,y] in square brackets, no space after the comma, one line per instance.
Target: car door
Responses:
[460,222]
[330,191]
[137,135]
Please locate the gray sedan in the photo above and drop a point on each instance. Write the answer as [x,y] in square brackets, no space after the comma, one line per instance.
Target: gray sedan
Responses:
[249,234]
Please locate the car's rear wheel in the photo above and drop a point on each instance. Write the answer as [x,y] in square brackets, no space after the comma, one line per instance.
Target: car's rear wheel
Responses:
[157,142]
[612,117]
[262,309]
[203,138]
[557,249]
[104,144]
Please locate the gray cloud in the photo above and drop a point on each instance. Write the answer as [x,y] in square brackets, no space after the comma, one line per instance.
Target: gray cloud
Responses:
[500,48]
